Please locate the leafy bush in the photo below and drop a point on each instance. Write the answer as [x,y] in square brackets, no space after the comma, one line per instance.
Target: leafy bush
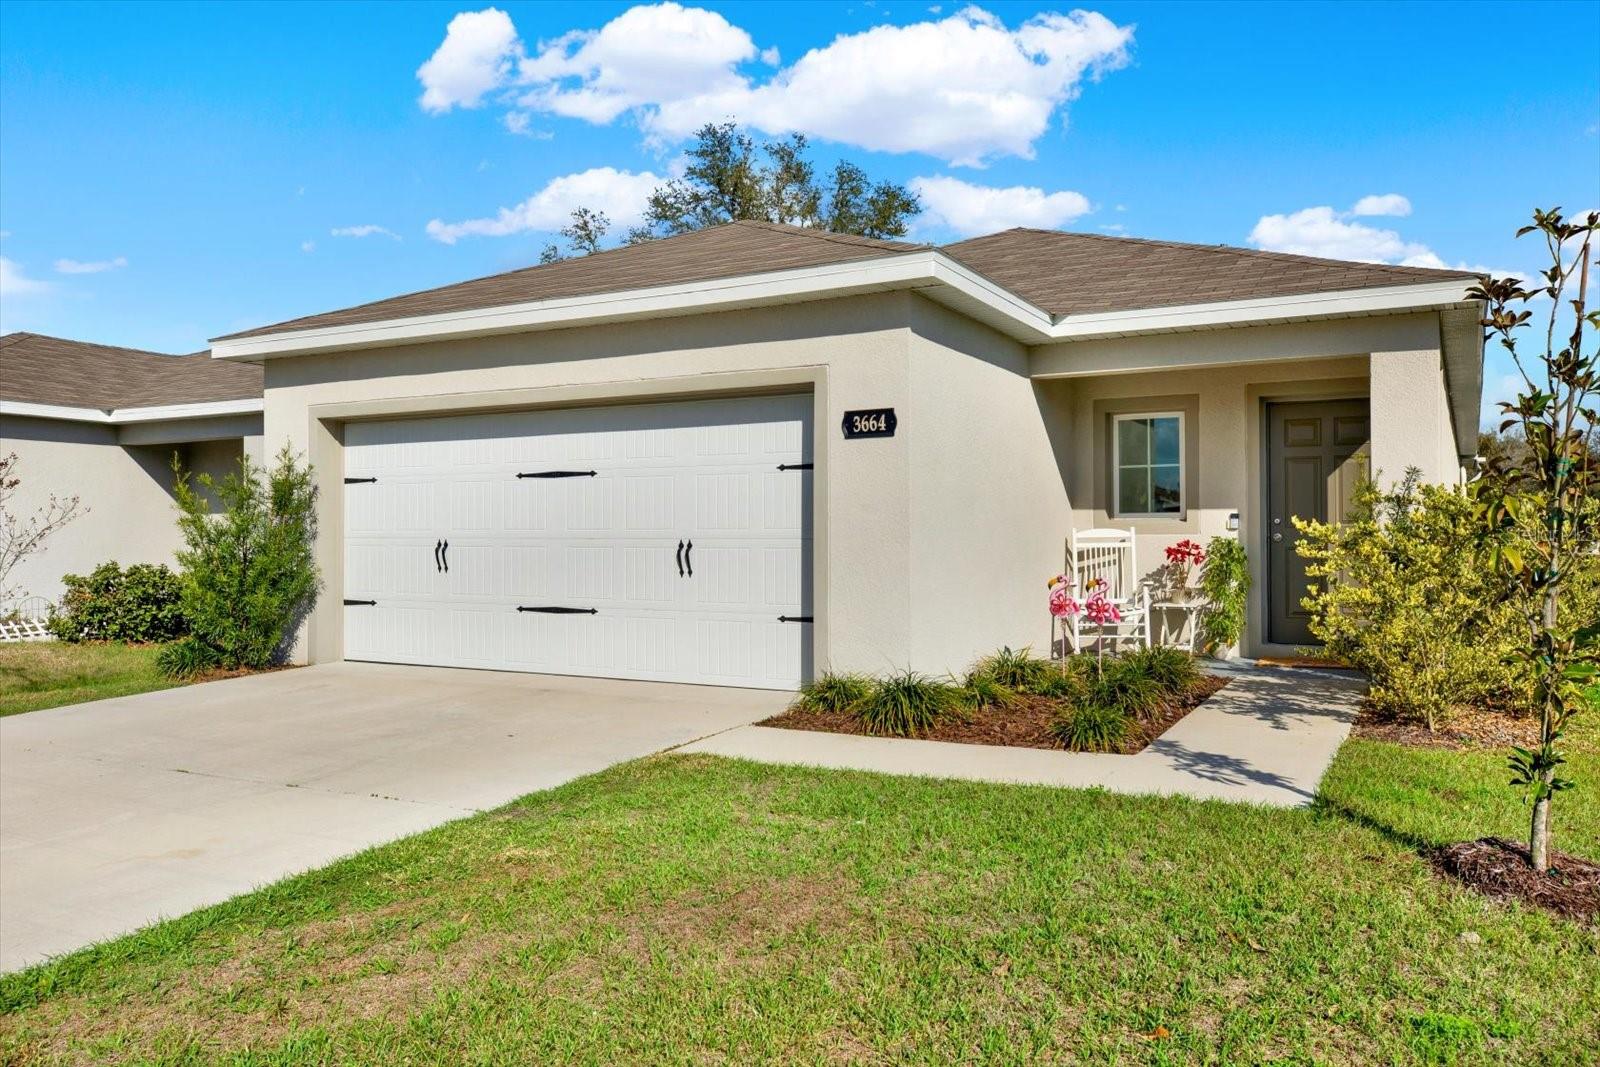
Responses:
[833,692]
[249,575]
[1124,685]
[982,691]
[1404,592]
[185,658]
[1061,685]
[1020,670]
[1092,728]
[906,703]
[140,604]
[1225,585]
[1173,669]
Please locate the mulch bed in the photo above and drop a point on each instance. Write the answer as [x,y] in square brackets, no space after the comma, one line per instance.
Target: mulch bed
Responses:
[1466,728]
[1026,724]
[1499,868]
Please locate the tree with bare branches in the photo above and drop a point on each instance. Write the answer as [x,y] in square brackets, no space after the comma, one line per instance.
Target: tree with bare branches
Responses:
[22,536]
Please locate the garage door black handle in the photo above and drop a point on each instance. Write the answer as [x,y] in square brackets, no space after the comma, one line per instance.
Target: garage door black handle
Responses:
[437,565]
[688,558]
[557,474]
[680,557]
[560,611]
[446,555]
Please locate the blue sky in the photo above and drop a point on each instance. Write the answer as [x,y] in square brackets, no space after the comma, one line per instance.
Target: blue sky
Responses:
[173,172]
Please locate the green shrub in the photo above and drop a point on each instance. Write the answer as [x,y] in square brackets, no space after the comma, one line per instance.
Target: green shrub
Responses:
[1403,591]
[1173,669]
[185,658]
[833,692]
[982,691]
[1124,686]
[249,574]
[1092,728]
[1020,670]
[907,703]
[140,604]
[1061,685]
[1225,586]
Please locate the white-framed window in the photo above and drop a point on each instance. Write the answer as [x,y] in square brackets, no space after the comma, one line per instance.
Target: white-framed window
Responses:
[1147,465]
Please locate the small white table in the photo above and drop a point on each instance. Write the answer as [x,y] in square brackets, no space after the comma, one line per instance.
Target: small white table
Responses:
[1166,635]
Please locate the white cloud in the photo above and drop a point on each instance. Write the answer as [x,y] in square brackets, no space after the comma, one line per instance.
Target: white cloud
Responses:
[1322,231]
[972,209]
[98,266]
[367,230]
[518,122]
[964,88]
[1330,234]
[13,282]
[308,246]
[475,58]
[621,195]
[646,56]
[1385,204]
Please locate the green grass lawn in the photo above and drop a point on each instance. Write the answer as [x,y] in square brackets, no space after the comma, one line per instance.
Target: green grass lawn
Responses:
[47,674]
[691,909]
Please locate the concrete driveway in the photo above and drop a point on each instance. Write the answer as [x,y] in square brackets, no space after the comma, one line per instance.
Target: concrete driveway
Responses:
[121,812]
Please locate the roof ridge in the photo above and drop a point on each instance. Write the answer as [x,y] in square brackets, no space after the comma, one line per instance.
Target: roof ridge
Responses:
[18,335]
[1224,249]
[851,240]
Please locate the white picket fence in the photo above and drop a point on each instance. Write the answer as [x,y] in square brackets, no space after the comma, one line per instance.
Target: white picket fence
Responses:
[24,620]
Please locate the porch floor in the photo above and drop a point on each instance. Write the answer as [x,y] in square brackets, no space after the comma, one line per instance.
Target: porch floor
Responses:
[1265,739]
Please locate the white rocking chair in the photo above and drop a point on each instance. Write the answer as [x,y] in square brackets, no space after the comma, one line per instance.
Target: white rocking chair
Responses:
[1109,556]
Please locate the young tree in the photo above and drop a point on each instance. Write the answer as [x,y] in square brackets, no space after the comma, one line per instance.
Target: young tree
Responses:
[21,537]
[584,234]
[249,570]
[730,178]
[1539,503]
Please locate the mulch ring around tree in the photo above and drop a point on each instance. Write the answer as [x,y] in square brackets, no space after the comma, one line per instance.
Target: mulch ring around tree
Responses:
[1466,727]
[1499,868]
[1024,724]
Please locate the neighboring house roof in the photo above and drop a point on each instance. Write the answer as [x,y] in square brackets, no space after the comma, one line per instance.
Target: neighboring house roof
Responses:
[1076,273]
[1058,274]
[716,252]
[40,370]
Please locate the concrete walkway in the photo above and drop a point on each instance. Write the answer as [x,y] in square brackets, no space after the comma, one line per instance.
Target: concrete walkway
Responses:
[1265,739]
[118,813]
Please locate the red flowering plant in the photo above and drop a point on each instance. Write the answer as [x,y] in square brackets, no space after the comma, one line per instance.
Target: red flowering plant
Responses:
[1181,557]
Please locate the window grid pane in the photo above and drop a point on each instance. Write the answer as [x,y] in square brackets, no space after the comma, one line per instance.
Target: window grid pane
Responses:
[1149,475]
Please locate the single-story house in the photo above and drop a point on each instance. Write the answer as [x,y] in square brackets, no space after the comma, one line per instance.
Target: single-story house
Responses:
[103,424]
[751,453]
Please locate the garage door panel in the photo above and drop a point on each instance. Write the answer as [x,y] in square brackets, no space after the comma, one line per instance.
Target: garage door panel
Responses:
[703,472]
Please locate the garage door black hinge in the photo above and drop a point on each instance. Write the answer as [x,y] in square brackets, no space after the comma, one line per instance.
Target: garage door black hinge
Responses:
[557,474]
[794,618]
[353,481]
[795,466]
[368,603]
[561,611]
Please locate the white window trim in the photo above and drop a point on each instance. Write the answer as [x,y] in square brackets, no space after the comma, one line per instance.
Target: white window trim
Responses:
[1116,468]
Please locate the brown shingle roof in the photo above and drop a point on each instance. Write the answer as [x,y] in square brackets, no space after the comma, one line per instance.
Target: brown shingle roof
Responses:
[701,255]
[1062,273]
[1073,273]
[53,370]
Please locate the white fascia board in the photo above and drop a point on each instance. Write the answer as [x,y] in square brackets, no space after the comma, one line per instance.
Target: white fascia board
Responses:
[1387,300]
[123,416]
[901,271]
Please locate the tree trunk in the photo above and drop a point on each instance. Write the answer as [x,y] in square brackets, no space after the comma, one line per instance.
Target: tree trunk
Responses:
[1539,830]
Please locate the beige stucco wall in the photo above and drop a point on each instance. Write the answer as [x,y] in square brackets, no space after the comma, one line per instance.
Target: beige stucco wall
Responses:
[126,487]
[130,517]
[911,567]
[1411,424]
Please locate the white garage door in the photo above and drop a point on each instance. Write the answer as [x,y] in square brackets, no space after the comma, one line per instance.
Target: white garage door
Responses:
[661,541]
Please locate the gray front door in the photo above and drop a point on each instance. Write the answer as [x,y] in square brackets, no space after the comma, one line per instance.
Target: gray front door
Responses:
[1316,456]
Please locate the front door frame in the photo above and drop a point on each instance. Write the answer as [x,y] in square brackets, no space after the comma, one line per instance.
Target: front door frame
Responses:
[1253,509]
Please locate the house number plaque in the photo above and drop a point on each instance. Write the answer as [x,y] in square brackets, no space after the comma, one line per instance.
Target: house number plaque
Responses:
[872,422]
